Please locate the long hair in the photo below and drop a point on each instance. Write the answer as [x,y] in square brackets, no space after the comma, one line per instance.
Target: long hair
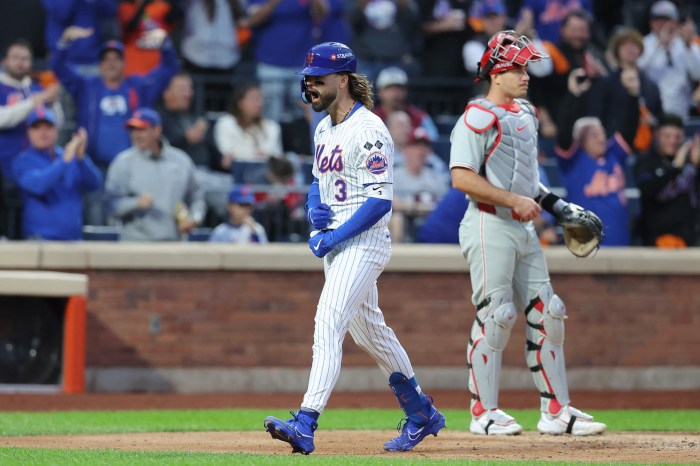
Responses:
[361,89]
[234,107]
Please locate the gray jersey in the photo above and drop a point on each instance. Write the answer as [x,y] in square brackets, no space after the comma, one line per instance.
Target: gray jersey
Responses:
[499,143]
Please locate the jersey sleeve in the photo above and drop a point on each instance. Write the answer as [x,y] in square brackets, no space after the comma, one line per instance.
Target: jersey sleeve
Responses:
[469,148]
[375,158]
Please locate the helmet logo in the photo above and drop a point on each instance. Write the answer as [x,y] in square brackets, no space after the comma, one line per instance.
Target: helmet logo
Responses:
[309,59]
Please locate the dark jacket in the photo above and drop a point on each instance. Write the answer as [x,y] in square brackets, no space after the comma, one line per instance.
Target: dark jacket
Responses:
[669,198]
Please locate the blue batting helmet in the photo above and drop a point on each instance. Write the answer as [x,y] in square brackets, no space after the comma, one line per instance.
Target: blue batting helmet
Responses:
[329,58]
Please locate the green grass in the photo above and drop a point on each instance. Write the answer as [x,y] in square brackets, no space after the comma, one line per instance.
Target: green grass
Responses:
[103,422]
[41,457]
[100,422]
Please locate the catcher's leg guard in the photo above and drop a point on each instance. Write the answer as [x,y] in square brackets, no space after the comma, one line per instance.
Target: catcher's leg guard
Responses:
[544,350]
[490,333]
[411,398]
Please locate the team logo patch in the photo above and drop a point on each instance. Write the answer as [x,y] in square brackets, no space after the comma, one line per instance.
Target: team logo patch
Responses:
[376,163]
[378,144]
[368,145]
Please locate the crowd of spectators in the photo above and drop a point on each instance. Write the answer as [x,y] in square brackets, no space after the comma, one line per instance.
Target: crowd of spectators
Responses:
[98,122]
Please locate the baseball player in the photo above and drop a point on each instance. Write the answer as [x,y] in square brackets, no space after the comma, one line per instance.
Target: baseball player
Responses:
[493,160]
[349,206]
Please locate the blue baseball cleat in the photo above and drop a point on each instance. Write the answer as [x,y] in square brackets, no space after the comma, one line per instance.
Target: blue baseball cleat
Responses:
[412,433]
[298,431]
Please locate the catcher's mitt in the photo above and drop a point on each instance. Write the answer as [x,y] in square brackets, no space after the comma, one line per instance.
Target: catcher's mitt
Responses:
[583,230]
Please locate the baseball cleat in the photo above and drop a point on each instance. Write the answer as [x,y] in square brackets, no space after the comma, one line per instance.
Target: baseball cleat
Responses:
[569,420]
[412,433]
[494,422]
[298,431]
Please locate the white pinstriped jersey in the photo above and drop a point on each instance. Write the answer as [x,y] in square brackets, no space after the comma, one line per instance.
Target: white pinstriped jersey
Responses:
[349,156]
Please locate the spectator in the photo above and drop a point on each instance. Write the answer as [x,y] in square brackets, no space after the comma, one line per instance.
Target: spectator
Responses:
[393,96]
[444,31]
[87,14]
[53,180]
[671,57]
[189,132]
[667,178]
[210,42]
[181,127]
[494,19]
[591,166]
[417,187]
[107,101]
[334,27]
[139,19]
[392,23]
[441,226]
[281,204]
[25,19]
[549,16]
[573,50]
[400,128]
[613,94]
[152,187]
[19,96]
[243,134]
[282,31]
[241,227]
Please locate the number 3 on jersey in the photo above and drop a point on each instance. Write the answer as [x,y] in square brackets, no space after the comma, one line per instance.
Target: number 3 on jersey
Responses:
[341,193]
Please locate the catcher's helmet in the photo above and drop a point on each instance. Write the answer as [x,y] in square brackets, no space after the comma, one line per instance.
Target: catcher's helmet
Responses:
[506,51]
[329,58]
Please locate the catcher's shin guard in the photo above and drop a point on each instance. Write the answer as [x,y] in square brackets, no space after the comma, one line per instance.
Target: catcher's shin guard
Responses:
[544,350]
[490,333]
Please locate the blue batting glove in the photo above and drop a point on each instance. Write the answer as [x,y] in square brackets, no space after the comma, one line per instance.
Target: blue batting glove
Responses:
[319,217]
[322,243]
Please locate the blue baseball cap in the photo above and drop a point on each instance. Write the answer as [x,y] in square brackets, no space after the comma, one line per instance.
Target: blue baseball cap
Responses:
[493,7]
[241,195]
[144,118]
[329,58]
[42,114]
[112,45]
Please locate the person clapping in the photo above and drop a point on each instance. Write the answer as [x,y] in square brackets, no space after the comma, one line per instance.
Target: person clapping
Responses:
[53,180]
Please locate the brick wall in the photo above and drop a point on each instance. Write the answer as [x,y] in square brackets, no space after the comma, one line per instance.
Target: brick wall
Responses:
[252,319]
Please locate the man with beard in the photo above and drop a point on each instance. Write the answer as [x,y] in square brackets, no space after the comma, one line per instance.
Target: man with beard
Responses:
[349,207]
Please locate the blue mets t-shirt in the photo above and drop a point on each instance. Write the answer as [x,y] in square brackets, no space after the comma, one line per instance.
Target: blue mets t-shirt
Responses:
[599,185]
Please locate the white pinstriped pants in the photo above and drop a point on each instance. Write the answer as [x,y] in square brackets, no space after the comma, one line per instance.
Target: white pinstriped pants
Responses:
[350,301]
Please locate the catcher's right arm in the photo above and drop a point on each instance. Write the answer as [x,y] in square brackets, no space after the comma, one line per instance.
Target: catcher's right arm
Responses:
[583,230]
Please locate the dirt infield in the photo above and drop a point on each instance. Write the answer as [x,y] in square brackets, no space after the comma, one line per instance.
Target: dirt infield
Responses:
[615,447]
[612,447]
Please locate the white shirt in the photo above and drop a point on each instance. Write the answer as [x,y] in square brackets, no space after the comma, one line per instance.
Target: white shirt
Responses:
[253,144]
[672,71]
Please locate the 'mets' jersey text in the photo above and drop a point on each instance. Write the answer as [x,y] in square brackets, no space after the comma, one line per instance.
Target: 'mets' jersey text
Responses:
[351,155]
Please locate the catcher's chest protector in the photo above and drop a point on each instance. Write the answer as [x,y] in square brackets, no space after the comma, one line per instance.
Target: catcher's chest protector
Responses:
[512,163]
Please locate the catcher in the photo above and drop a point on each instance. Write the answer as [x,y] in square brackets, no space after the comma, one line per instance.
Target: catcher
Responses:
[493,160]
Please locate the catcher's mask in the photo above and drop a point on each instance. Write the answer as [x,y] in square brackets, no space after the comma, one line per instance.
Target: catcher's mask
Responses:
[507,51]
[326,58]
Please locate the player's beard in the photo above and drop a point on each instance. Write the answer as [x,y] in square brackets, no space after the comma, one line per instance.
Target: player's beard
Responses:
[324,101]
